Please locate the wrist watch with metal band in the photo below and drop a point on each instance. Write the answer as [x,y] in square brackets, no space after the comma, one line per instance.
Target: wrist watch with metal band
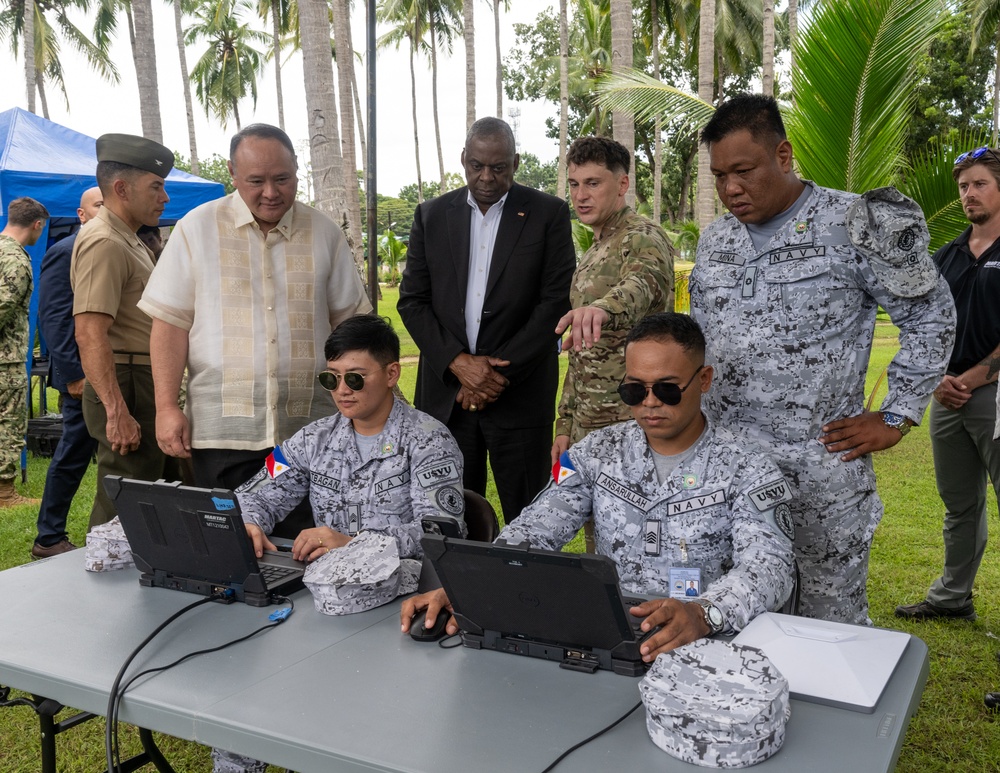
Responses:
[896,421]
[713,616]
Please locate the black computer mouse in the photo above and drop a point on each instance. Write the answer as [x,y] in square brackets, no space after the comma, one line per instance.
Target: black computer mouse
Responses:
[435,632]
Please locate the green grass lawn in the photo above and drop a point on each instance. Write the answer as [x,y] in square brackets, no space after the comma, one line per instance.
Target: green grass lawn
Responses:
[952,731]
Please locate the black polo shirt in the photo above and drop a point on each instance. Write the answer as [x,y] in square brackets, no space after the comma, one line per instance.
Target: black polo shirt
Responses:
[975,286]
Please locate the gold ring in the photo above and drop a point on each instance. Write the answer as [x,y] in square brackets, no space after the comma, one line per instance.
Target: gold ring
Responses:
[473,407]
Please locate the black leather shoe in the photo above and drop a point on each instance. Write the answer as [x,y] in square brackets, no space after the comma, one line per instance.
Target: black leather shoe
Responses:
[47,551]
[924,610]
[992,701]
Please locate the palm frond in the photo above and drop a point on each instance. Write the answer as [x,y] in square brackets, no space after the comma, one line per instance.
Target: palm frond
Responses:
[929,182]
[853,82]
[648,98]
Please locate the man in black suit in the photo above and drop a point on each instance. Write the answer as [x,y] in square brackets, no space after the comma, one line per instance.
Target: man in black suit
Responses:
[487,278]
[76,446]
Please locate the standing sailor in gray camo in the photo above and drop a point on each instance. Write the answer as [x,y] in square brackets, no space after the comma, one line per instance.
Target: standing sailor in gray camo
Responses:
[786,288]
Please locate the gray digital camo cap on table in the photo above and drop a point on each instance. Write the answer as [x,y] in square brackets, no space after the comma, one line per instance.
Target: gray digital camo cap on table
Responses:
[716,704]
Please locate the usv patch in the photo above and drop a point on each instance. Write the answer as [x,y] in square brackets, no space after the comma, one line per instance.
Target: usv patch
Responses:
[770,495]
[433,475]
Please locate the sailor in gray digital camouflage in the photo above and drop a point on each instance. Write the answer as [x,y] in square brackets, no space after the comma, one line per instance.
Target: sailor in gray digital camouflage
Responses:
[377,466]
[673,498]
[786,288]
[26,219]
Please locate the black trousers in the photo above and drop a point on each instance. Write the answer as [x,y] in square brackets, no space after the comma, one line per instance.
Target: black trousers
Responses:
[519,458]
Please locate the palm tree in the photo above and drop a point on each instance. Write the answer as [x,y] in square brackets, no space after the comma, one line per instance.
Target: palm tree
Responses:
[623,123]
[986,29]
[409,27]
[345,87]
[229,68]
[705,207]
[496,46]
[767,77]
[186,82]
[442,21]
[281,14]
[144,56]
[29,52]
[563,95]
[42,46]
[469,31]
[324,137]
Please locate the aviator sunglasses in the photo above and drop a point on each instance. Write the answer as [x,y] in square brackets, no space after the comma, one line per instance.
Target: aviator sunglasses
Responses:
[977,153]
[668,393]
[330,381]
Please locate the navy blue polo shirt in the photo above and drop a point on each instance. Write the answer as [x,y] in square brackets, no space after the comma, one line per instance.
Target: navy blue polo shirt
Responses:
[975,286]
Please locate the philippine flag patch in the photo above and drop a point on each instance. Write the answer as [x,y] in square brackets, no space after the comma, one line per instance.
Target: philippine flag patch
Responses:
[276,463]
[563,469]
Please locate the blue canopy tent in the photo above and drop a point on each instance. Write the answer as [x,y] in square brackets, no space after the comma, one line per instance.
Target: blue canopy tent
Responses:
[55,165]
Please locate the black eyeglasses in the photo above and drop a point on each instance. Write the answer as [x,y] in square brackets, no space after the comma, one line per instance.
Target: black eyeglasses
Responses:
[977,153]
[668,393]
[330,381]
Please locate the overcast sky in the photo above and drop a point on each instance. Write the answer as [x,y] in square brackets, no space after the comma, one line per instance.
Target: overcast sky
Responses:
[97,107]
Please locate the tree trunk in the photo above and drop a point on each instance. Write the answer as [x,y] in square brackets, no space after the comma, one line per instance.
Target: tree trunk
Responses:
[186,81]
[236,115]
[623,124]
[345,86]
[29,53]
[767,77]
[496,40]
[359,114]
[654,18]
[793,33]
[469,31]
[324,137]
[144,55]
[276,47]
[416,134]
[40,82]
[434,100]
[706,76]
[563,94]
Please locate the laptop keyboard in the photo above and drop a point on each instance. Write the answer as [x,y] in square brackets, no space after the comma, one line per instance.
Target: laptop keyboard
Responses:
[274,574]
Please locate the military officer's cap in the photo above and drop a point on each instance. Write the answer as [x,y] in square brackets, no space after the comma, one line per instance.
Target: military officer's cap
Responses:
[135,151]
[716,704]
[363,574]
[889,229]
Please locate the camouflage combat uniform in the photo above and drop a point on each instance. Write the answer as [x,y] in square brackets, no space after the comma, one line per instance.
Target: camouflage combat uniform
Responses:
[15,294]
[416,470]
[628,272]
[723,511]
[789,331]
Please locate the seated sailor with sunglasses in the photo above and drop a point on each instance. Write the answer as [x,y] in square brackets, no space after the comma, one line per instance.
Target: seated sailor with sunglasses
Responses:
[673,499]
[378,464]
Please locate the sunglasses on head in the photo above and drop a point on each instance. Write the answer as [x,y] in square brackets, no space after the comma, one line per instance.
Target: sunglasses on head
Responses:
[668,393]
[977,153]
[330,381]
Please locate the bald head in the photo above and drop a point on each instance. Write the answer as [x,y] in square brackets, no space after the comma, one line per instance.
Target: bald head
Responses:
[90,202]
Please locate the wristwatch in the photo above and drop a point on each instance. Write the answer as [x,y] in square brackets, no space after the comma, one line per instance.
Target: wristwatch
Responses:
[713,616]
[896,421]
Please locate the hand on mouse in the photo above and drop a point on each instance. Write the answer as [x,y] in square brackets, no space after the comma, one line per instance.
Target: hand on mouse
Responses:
[435,602]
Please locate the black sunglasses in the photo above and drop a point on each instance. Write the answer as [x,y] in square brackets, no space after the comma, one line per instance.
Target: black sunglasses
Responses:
[330,381]
[977,153]
[668,393]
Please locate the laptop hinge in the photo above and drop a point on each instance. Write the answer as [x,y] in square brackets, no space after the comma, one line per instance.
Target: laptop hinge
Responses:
[576,660]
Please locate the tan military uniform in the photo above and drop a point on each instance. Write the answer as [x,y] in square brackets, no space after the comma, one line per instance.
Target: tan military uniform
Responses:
[109,271]
[15,294]
[628,272]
